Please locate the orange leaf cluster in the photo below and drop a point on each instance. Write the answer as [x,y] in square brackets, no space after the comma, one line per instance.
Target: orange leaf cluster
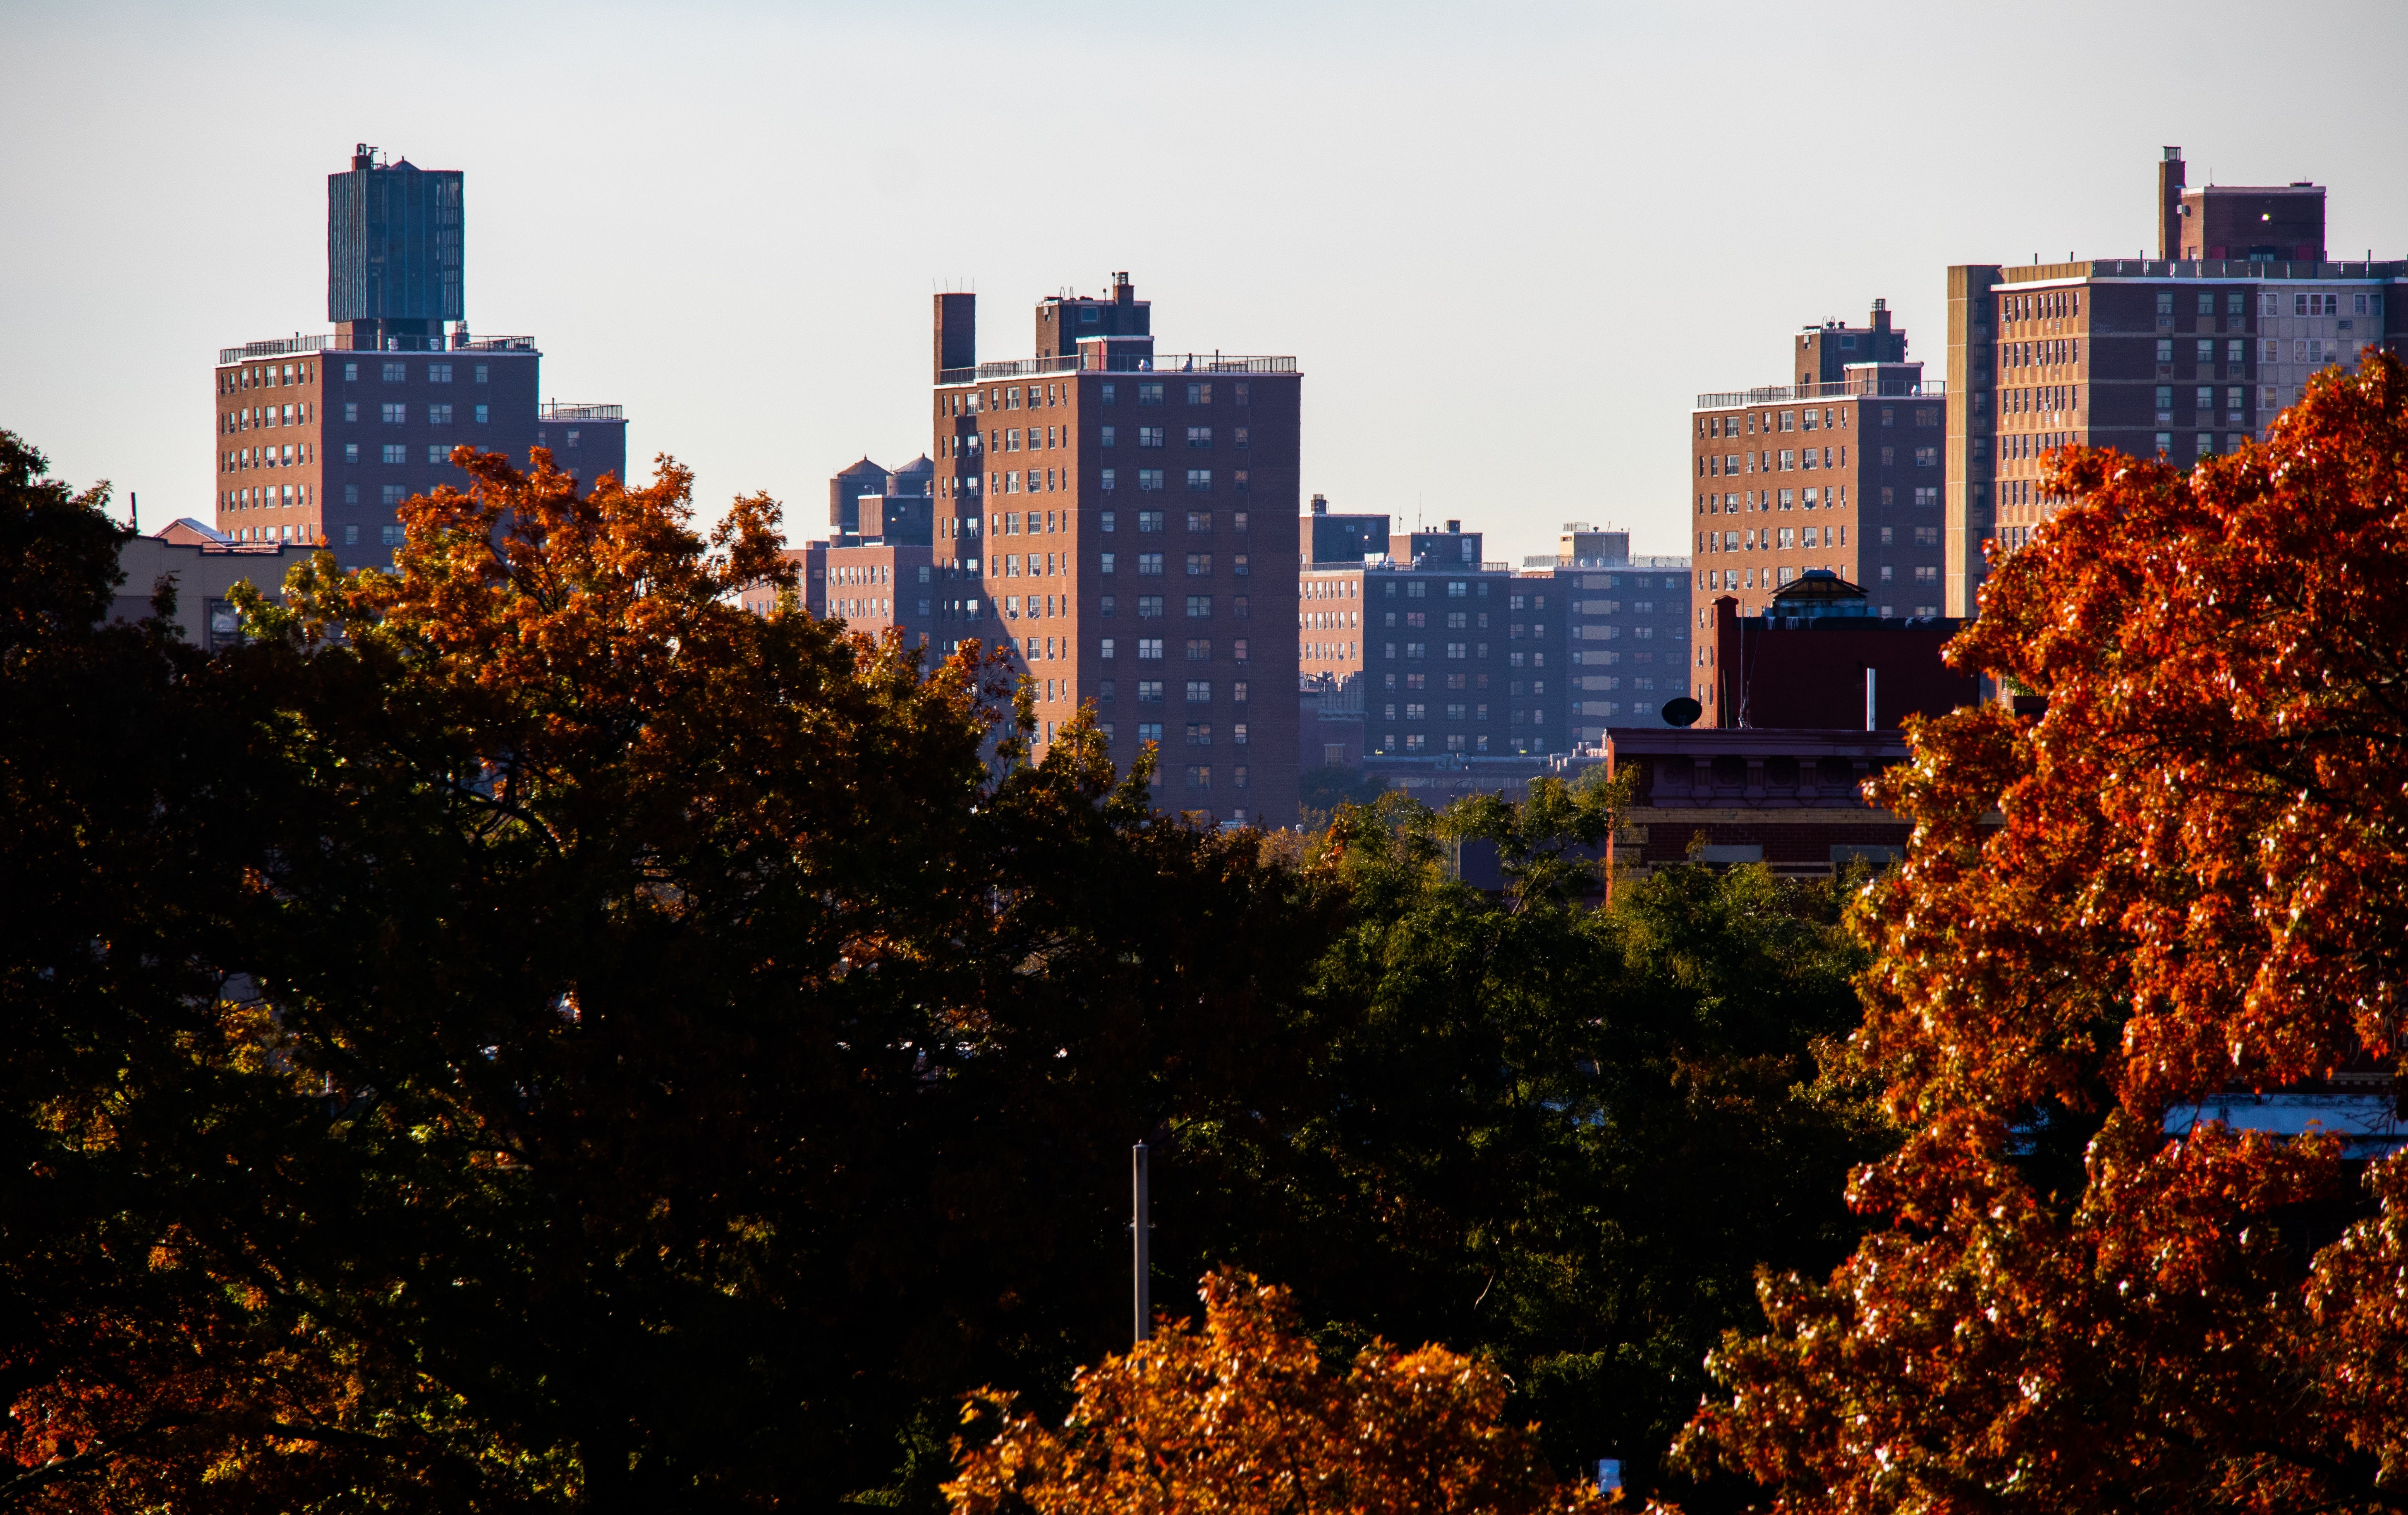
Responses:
[2186,878]
[1241,1417]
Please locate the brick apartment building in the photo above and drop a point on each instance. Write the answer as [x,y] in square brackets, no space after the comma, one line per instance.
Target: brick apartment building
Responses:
[1626,629]
[1097,507]
[1840,472]
[2181,356]
[319,438]
[1446,656]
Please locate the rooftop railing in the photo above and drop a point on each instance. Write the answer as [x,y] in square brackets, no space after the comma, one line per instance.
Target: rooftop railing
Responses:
[2199,268]
[333,343]
[1179,363]
[1636,560]
[1840,389]
[561,411]
[274,347]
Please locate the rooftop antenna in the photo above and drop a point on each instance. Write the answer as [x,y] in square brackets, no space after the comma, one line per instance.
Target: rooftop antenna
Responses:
[134,510]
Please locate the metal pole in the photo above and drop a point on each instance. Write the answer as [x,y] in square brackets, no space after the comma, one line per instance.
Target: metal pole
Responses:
[1143,1258]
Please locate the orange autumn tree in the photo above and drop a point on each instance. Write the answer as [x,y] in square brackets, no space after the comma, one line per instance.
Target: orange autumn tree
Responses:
[2188,876]
[1241,1417]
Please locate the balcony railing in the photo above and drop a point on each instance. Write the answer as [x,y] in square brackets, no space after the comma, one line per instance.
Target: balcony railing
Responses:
[333,343]
[561,411]
[1840,389]
[1179,363]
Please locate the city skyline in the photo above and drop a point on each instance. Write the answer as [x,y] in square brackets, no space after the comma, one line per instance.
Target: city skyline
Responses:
[1385,201]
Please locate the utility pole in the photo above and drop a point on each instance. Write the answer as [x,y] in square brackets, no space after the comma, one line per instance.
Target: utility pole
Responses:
[1139,1227]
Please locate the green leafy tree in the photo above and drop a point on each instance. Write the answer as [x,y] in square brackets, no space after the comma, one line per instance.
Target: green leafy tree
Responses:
[672,1048]
[1561,1136]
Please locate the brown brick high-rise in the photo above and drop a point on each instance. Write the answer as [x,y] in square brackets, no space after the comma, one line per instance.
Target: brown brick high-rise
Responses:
[1125,520]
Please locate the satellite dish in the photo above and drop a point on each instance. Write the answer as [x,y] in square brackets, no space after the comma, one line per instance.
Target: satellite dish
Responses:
[1682,711]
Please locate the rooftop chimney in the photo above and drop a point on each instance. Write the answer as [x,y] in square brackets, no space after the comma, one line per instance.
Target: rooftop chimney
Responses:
[1880,316]
[1124,293]
[2169,195]
[1320,505]
[1454,528]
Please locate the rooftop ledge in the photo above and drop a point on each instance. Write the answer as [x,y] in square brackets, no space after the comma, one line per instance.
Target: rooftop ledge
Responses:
[332,342]
[2257,268]
[1842,389]
[1182,363]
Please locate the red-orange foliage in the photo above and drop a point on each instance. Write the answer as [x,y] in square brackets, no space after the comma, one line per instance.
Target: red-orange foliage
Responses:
[1242,1418]
[2191,874]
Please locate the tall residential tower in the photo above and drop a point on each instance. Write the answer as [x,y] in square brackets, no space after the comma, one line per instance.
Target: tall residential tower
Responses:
[1122,518]
[319,438]
[2178,356]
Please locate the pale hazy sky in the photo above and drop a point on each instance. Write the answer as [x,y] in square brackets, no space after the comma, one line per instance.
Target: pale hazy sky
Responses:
[1509,242]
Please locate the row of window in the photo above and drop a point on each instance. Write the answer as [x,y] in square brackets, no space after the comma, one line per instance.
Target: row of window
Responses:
[1774,538]
[1150,564]
[1200,522]
[1151,481]
[266,457]
[1150,649]
[1413,741]
[1418,652]
[1157,436]
[1010,397]
[263,376]
[1717,464]
[1199,734]
[1154,691]
[1149,607]
[1828,417]
[1834,497]
[245,417]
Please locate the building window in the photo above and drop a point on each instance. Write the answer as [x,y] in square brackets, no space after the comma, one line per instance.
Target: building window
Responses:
[1199,733]
[1199,775]
[438,373]
[1149,732]
[1200,650]
[1926,458]
[1149,436]
[1149,607]
[1200,436]
[1199,607]
[395,372]
[1149,393]
[394,536]
[1149,480]
[1199,565]
[1199,480]
[350,452]
[1108,393]
[1149,692]
[1106,651]
[397,453]
[479,374]
[1199,394]
[1149,563]
[1200,691]
[1107,437]
[1104,562]
[395,415]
